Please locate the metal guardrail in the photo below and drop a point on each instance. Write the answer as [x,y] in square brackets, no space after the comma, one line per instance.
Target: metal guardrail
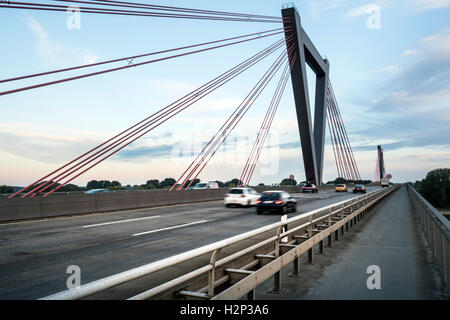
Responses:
[437,232]
[292,238]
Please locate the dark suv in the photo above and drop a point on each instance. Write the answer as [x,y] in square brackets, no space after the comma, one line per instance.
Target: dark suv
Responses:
[308,187]
[279,201]
[359,188]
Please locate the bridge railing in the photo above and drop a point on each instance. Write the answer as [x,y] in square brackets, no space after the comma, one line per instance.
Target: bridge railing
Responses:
[437,231]
[272,238]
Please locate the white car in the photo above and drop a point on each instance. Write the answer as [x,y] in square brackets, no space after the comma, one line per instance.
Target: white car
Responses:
[206,185]
[241,196]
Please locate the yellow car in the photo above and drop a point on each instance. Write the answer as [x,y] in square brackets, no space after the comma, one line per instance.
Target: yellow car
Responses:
[341,188]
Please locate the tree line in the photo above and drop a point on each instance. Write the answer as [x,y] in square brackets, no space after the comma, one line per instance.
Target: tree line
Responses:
[435,187]
[341,180]
[166,183]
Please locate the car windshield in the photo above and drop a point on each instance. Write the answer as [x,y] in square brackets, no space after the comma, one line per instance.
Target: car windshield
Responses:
[200,185]
[236,191]
[359,186]
[270,195]
[308,185]
[341,185]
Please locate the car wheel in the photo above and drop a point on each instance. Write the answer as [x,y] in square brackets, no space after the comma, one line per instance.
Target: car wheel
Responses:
[248,204]
[284,210]
[227,205]
[258,211]
[294,208]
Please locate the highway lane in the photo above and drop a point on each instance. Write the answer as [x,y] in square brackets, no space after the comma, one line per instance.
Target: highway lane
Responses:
[35,255]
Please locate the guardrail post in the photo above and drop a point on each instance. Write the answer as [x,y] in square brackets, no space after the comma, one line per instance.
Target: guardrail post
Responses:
[321,246]
[277,275]
[212,273]
[296,270]
[277,242]
[445,259]
[251,295]
[310,234]
[329,225]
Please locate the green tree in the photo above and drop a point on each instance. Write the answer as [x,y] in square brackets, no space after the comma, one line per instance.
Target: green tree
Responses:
[340,180]
[436,187]
[115,184]
[233,183]
[221,184]
[6,189]
[93,184]
[70,187]
[167,183]
[153,184]
[288,182]
[103,184]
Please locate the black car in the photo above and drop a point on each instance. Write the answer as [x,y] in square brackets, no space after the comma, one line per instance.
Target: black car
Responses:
[309,187]
[278,201]
[359,188]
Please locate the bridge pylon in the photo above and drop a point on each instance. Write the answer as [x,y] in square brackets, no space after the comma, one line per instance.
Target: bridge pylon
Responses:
[312,140]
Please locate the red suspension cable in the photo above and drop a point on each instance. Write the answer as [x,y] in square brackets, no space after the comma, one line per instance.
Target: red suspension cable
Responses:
[260,134]
[350,165]
[267,130]
[243,108]
[349,147]
[61,8]
[169,8]
[129,66]
[188,98]
[201,153]
[120,148]
[134,57]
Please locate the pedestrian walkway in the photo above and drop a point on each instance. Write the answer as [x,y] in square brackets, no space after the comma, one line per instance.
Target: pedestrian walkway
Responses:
[389,239]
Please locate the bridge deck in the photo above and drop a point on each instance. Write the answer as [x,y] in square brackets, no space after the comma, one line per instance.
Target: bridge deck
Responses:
[390,238]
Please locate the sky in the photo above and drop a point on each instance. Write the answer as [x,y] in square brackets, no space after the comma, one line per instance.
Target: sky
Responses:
[389,68]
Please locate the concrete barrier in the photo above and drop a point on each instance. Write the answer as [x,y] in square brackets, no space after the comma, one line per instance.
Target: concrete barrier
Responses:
[80,203]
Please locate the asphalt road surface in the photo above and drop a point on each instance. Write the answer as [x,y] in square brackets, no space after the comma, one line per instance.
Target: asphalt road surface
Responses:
[35,255]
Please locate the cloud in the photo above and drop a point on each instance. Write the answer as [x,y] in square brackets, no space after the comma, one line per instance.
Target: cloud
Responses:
[56,52]
[329,4]
[155,151]
[46,47]
[436,138]
[43,148]
[425,81]
[383,71]
[367,9]
[410,52]
[426,5]
[412,104]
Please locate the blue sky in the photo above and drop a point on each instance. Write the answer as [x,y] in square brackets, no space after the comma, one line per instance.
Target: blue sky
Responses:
[392,85]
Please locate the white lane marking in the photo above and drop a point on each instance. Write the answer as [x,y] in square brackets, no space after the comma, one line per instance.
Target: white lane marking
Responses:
[120,221]
[169,228]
